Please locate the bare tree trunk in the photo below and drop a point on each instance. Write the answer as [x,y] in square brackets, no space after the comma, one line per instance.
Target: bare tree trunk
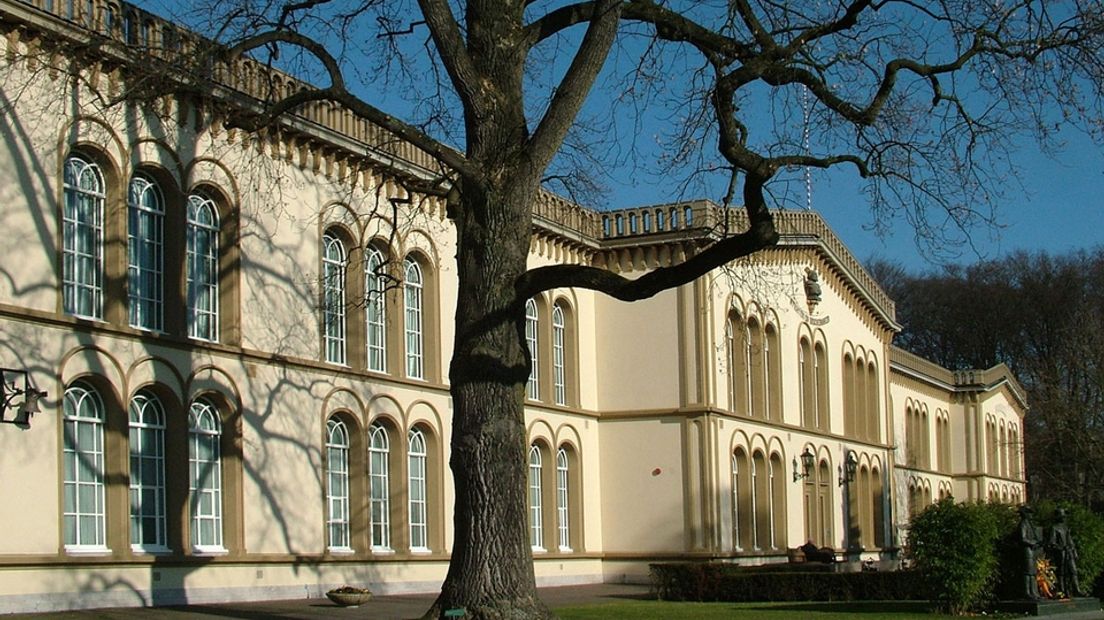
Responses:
[491,573]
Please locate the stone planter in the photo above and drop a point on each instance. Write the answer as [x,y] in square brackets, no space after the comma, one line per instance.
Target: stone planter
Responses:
[349,597]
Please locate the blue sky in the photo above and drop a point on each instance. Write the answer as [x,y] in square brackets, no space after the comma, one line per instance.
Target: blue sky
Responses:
[1060,210]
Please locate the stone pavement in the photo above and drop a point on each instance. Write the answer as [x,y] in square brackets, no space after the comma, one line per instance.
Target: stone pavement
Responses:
[379,608]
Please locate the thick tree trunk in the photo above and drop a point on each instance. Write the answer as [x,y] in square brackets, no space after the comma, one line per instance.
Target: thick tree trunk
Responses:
[491,573]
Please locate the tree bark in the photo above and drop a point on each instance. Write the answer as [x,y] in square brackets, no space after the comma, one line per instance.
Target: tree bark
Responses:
[491,572]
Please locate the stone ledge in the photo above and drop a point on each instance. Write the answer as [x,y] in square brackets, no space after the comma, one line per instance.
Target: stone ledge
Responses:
[1086,608]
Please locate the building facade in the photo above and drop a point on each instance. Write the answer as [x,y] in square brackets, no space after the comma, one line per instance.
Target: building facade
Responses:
[244,343]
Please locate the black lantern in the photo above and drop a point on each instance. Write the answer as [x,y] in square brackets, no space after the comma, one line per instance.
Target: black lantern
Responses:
[24,400]
[847,470]
[807,462]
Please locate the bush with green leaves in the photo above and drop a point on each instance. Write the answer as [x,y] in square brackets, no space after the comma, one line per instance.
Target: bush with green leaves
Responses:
[953,548]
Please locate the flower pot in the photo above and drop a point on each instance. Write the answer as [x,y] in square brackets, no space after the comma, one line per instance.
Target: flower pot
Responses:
[349,597]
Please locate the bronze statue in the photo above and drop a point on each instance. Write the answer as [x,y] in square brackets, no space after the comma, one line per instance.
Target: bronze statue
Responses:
[1064,552]
[1029,540]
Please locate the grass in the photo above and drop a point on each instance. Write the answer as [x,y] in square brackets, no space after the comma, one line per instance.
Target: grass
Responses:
[644,609]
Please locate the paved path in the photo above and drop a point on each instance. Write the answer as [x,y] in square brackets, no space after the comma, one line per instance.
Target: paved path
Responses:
[380,607]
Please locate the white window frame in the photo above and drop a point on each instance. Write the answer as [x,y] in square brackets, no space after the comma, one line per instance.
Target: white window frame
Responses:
[146,432]
[379,483]
[334,260]
[375,311]
[413,288]
[559,370]
[83,238]
[84,516]
[532,326]
[563,500]
[145,254]
[417,460]
[337,486]
[536,520]
[202,232]
[205,476]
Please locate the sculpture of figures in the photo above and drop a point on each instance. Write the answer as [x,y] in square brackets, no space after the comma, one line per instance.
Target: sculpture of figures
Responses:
[1065,555]
[1029,540]
[812,288]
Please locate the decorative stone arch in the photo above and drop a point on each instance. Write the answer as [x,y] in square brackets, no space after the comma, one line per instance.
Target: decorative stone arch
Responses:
[343,399]
[155,154]
[743,512]
[150,369]
[211,180]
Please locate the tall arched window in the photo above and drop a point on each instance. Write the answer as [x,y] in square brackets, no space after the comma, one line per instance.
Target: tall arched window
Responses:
[375,310]
[820,372]
[416,457]
[84,516]
[337,485]
[743,502]
[772,360]
[536,506]
[807,382]
[559,370]
[412,295]
[147,473]
[333,298]
[379,481]
[737,345]
[757,368]
[205,476]
[532,325]
[563,514]
[202,232]
[145,254]
[82,239]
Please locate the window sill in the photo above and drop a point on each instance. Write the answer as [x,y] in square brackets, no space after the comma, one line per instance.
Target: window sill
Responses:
[383,551]
[87,551]
[340,551]
[210,551]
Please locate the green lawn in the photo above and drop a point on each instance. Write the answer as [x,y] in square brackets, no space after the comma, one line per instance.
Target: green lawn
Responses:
[706,611]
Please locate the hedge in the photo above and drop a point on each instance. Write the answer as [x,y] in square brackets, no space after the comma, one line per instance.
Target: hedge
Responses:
[732,583]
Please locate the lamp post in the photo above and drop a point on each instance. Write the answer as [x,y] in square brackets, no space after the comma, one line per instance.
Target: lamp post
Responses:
[847,470]
[807,462]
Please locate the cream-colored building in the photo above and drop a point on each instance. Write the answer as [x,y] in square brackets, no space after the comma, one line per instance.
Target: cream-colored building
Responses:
[244,343]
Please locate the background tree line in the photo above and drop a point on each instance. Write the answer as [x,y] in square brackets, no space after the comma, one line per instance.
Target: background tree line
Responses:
[1041,314]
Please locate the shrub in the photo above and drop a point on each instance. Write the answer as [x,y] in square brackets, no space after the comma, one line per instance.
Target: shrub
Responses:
[731,583]
[953,548]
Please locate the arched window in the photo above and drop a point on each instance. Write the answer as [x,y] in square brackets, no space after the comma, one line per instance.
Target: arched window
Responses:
[760,501]
[743,502]
[688,216]
[375,310]
[416,458]
[757,369]
[145,254]
[337,485]
[772,360]
[536,520]
[873,408]
[559,369]
[820,372]
[807,381]
[737,344]
[824,504]
[646,220]
[84,516]
[205,476]
[333,298]
[82,239]
[379,481]
[202,232]
[849,414]
[661,220]
[147,473]
[563,518]
[777,496]
[412,296]
[532,325]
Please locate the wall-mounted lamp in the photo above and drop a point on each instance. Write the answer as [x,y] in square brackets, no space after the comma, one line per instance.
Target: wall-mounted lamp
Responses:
[807,462]
[847,470]
[24,400]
